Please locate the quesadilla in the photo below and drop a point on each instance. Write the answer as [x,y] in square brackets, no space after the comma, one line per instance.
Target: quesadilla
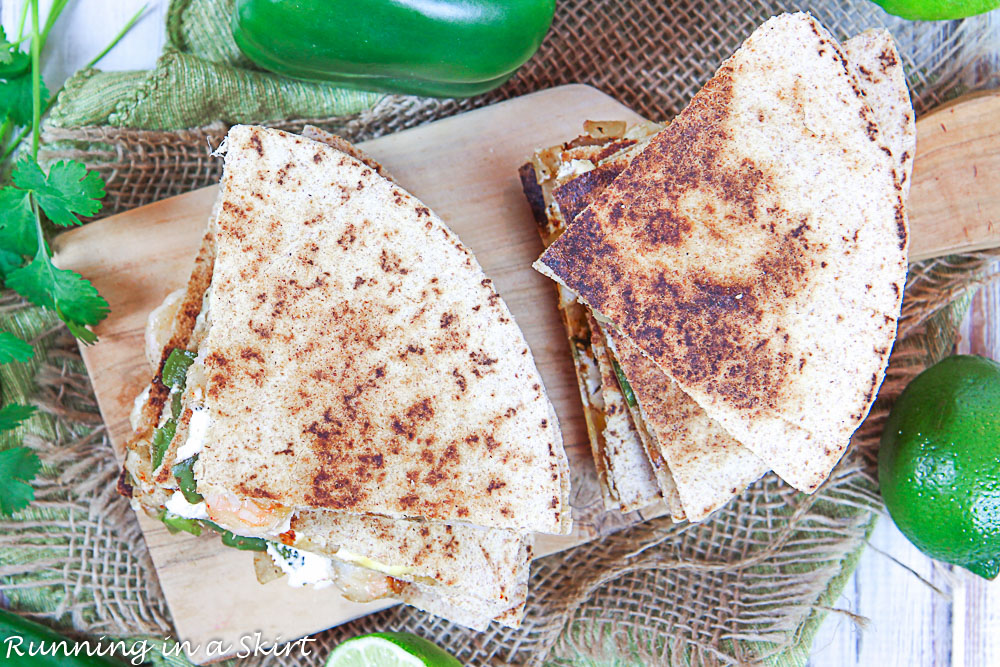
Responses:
[367,339]
[755,251]
[627,479]
[656,419]
[342,387]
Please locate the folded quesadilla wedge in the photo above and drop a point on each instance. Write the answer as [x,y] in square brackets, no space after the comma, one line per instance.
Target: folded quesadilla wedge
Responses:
[356,341]
[367,556]
[756,249]
[707,465]
[626,478]
[470,573]
[698,464]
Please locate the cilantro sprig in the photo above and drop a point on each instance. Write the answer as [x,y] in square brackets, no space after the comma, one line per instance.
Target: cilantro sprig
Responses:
[18,466]
[63,194]
[66,191]
[60,195]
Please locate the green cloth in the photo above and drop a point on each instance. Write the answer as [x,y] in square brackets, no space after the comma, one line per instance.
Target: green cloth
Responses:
[201,77]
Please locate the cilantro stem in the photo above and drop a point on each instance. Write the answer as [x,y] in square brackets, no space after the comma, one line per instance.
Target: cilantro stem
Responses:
[17,142]
[7,122]
[114,42]
[43,251]
[20,25]
[36,79]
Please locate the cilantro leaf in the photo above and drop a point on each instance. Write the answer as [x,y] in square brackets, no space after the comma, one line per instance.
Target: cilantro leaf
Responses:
[13,348]
[6,48]
[15,96]
[15,63]
[12,414]
[17,223]
[66,292]
[68,189]
[18,466]
[8,262]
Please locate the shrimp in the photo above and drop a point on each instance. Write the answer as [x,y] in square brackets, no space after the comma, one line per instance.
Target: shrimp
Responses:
[360,584]
[260,516]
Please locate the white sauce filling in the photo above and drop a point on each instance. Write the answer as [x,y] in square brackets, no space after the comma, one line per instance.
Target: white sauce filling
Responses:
[178,504]
[197,433]
[303,568]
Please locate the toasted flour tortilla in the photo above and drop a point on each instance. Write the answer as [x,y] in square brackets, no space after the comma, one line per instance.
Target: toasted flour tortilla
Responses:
[469,574]
[756,250]
[359,360]
[878,69]
[708,466]
[488,564]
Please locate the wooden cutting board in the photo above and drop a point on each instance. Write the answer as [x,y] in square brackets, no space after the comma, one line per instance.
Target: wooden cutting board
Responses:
[465,169]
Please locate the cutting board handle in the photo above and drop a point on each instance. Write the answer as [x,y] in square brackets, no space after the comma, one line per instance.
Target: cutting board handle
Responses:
[955,195]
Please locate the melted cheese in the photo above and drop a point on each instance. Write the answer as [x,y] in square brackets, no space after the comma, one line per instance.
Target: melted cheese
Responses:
[574,168]
[363,561]
[159,326]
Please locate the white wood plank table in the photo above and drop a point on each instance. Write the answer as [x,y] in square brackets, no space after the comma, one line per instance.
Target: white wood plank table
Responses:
[910,624]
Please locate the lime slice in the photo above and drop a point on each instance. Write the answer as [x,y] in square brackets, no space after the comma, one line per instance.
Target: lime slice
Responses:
[390,649]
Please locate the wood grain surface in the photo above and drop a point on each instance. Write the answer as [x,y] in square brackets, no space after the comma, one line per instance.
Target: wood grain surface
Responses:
[955,193]
[960,628]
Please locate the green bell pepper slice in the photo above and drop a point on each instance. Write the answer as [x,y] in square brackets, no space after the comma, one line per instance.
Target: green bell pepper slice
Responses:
[240,542]
[174,375]
[437,48]
[176,366]
[624,384]
[184,474]
[161,441]
[176,524]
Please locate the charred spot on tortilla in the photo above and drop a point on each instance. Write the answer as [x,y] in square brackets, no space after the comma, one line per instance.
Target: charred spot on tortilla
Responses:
[532,192]
[573,196]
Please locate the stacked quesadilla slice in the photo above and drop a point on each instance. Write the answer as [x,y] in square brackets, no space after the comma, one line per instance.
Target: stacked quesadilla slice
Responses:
[341,389]
[743,268]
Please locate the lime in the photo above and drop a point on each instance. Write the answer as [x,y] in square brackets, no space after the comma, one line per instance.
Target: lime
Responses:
[939,463]
[390,649]
[936,10]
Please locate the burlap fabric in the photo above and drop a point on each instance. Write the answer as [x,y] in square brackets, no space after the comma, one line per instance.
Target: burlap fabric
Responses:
[750,585]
